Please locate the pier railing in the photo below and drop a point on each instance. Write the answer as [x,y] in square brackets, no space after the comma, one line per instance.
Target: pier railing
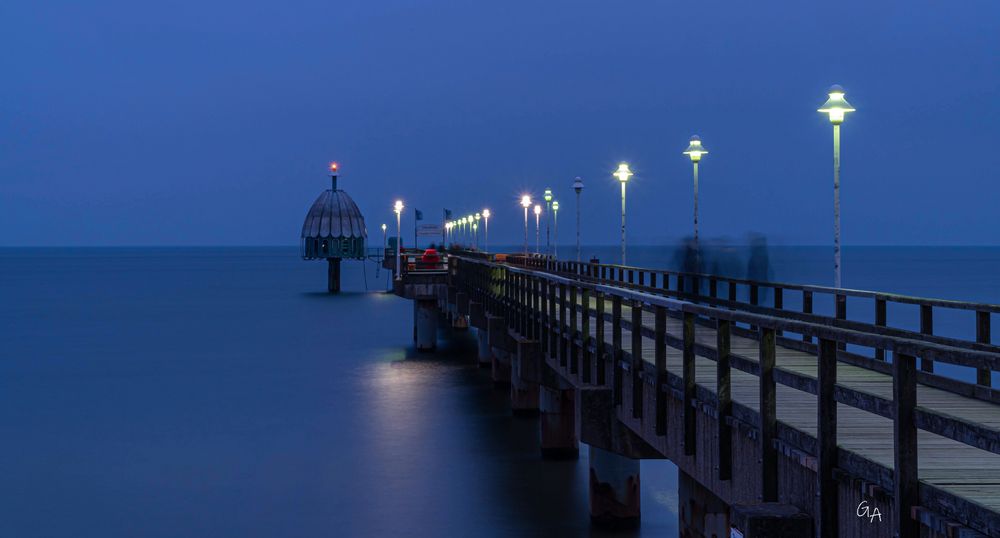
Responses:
[749,295]
[556,311]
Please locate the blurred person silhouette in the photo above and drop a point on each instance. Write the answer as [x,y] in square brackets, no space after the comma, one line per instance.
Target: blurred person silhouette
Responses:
[688,260]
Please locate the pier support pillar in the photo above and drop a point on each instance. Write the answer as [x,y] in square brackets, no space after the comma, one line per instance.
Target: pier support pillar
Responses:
[614,489]
[558,423]
[425,318]
[497,338]
[524,378]
[333,275]
[771,519]
[485,351]
[701,512]
[523,396]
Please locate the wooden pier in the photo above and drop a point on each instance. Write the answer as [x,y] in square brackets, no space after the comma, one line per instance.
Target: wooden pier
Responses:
[785,415]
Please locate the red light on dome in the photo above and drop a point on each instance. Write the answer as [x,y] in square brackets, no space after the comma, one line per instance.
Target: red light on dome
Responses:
[333,167]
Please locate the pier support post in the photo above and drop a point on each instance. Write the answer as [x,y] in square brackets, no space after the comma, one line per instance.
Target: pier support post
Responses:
[485,351]
[701,513]
[524,378]
[558,423]
[614,489]
[769,519]
[425,321]
[333,275]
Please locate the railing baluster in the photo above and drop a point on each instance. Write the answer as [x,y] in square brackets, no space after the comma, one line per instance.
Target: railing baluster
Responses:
[585,334]
[926,327]
[880,320]
[553,328]
[983,375]
[574,351]
[690,440]
[827,511]
[779,302]
[563,319]
[543,316]
[768,418]
[642,278]
[724,400]
[599,330]
[660,354]
[616,347]
[841,314]
[904,400]
[636,359]
[713,287]
[652,279]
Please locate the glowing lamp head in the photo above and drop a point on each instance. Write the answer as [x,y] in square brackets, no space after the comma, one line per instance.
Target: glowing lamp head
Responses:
[475,225]
[526,201]
[555,205]
[486,213]
[695,150]
[538,210]
[383,227]
[578,185]
[836,106]
[623,173]
[548,195]
[464,220]
[398,206]
[478,216]
[333,168]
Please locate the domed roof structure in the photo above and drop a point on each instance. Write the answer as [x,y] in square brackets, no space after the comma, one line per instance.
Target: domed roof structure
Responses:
[334,227]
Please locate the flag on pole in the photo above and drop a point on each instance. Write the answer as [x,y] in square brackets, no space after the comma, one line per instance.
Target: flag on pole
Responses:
[418,214]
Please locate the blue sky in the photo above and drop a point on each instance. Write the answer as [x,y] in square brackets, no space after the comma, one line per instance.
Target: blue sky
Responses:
[208,123]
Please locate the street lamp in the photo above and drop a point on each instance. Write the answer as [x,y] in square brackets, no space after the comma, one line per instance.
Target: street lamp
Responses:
[486,230]
[836,106]
[578,186]
[398,208]
[623,173]
[384,240]
[695,150]
[475,227]
[548,208]
[555,224]
[526,203]
[538,213]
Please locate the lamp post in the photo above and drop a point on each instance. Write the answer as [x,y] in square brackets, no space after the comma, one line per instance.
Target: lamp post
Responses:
[538,214]
[486,230]
[526,203]
[623,173]
[384,240]
[836,106]
[578,186]
[555,225]
[398,208]
[695,151]
[548,226]
[475,227]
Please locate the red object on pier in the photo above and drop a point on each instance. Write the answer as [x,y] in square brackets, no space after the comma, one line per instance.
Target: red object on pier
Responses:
[430,257]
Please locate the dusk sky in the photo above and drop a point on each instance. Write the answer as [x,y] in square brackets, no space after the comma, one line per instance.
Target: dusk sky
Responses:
[211,123]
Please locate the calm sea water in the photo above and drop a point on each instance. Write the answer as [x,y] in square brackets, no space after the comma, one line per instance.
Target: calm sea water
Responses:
[221,392]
